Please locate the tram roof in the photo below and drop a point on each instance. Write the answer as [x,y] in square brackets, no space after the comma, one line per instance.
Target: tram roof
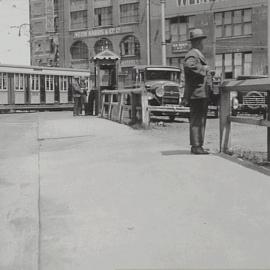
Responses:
[40,70]
[157,67]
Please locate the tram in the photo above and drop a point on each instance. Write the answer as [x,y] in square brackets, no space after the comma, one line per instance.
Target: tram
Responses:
[37,85]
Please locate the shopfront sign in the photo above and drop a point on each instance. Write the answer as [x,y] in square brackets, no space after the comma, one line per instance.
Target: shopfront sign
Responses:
[181,46]
[130,62]
[103,32]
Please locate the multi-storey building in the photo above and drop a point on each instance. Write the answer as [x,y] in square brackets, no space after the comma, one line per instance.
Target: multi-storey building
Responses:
[71,32]
[236,29]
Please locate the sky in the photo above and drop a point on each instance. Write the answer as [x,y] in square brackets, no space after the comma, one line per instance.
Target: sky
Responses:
[14,49]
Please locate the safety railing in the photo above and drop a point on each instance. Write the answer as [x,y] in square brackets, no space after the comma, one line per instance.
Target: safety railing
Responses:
[259,85]
[134,101]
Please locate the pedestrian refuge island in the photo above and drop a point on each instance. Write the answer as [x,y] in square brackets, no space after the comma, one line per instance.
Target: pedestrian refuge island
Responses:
[260,85]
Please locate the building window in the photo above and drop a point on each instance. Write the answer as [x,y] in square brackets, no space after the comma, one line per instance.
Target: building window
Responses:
[129,13]
[102,45]
[233,23]
[76,5]
[56,15]
[130,46]
[232,65]
[78,19]
[19,82]
[79,51]
[3,81]
[178,28]
[103,16]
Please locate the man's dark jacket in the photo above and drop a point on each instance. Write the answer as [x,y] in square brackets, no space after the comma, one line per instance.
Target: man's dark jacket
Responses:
[196,79]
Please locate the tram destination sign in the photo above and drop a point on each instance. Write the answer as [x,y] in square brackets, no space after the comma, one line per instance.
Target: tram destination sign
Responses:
[103,32]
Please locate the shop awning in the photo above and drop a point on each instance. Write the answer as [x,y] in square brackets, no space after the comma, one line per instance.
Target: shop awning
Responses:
[106,55]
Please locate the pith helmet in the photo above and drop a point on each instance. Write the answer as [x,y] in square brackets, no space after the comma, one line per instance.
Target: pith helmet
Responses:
[196,34]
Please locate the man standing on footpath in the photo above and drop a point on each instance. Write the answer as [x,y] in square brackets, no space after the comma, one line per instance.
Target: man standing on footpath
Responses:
[197,87]
[77,92]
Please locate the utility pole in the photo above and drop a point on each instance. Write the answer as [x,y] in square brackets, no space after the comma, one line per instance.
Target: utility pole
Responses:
[268,93]
[148,31]
[163,41]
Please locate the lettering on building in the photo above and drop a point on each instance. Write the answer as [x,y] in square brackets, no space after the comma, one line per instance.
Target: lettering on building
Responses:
[102,32]
[130,63]
[178,47]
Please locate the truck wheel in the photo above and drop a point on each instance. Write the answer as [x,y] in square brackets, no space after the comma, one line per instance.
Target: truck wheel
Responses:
[234,113]
[171,117]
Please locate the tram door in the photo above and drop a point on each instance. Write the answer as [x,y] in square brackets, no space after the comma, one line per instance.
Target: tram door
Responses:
[19,88]
[70,94]
[11,95]
[27,89]
[42,89]
[56,89]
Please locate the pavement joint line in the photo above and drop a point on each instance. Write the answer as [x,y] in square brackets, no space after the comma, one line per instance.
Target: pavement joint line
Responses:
[63,138]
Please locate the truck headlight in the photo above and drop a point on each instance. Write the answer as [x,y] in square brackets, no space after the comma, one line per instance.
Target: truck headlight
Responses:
[150,96]
[235,103]
[160,91]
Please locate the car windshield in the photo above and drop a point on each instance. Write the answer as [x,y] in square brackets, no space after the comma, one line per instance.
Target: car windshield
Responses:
[153,75]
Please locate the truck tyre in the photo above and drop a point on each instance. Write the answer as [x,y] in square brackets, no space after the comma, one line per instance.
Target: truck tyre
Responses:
[172,118]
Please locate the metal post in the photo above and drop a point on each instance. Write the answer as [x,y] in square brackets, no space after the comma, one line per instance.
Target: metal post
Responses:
[163,41]
[148,31]
[268,95]
[225,124]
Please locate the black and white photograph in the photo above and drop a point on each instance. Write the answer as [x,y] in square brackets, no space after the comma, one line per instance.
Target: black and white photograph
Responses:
[134,134]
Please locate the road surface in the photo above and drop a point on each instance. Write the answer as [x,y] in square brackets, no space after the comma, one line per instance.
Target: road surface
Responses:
[86,193]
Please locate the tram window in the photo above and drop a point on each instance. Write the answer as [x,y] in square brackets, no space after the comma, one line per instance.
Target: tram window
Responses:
[3,81]
[35,82]
[49,83]
[19,82]
[63,83]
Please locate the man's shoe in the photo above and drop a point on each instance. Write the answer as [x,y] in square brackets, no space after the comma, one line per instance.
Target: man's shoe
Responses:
[197,150]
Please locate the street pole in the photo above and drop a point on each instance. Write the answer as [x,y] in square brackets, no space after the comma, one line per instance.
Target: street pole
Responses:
[268,93]
[163,41]
[148,31]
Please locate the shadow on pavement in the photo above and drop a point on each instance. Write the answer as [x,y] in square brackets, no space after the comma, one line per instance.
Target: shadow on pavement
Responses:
[175,152]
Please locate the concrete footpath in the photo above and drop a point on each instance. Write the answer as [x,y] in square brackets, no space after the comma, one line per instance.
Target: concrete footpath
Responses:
[86,193]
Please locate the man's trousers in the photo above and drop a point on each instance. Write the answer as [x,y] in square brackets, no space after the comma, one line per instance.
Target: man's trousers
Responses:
[77,106]
[198,116]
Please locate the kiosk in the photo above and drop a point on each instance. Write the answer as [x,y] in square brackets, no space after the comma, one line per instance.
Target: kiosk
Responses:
[106,74]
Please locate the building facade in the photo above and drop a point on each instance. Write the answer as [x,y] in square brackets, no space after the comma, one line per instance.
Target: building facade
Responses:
[69,33]
[236,30]
[44,32]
